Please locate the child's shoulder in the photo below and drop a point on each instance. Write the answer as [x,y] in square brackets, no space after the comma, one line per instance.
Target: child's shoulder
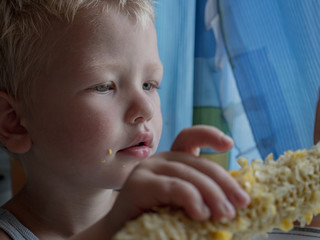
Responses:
[4,236]
[10,226]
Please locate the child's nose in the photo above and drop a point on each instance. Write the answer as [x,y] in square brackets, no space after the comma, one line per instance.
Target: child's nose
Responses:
[139,110]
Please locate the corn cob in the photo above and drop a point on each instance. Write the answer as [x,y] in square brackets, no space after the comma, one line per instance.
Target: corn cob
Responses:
[281,192]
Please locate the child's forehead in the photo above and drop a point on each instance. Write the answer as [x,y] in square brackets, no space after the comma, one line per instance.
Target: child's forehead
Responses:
[89,20]
[139,11]
[67,35]
[78,42]
[89,28]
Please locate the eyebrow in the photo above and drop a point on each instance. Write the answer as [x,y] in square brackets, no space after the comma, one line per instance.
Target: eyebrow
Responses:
[155,66]
[110,66]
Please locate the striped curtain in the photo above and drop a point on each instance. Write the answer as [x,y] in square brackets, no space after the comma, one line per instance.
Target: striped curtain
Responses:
[273,48]
[250,68]
[175,24]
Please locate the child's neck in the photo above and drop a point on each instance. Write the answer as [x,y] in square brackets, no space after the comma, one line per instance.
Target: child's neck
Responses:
[55,214]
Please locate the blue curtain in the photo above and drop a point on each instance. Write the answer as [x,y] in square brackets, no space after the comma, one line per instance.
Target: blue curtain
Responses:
[250,68]
[273,46]
[175,24]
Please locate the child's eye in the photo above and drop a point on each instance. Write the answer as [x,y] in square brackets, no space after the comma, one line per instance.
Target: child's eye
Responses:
[106,87]
[148,86]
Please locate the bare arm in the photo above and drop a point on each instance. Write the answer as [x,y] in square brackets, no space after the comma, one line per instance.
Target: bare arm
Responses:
[4,236]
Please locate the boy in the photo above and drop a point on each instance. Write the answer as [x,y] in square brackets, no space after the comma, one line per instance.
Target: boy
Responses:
[79,108]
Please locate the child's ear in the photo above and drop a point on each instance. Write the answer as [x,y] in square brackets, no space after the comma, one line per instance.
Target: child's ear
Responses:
[12,134]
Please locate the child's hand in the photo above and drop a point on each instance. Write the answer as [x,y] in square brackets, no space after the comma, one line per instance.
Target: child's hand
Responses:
[202,188]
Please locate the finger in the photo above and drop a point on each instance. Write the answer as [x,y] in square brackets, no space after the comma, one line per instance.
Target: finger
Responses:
[162,190]
[316,133]
[212,195]
[234,192]
[190,140]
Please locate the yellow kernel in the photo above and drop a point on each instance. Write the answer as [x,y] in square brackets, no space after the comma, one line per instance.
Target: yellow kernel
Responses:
[269,157]
[109,151]
[273,210]
[234,173]
[221,235]
[308,217]
[301,153]
[243,162]
[286,225]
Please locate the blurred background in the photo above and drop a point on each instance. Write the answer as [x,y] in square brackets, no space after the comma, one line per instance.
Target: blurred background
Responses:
[250,68]
[5,183]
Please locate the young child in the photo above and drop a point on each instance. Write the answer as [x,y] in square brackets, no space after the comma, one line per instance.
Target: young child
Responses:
[79,108]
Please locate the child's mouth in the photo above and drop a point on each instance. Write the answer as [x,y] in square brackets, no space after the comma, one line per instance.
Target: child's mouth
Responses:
[138,151]
[141,146]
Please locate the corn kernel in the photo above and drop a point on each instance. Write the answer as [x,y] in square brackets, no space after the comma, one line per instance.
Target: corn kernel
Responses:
[308,217]
[221,235]
[269,157]
[286,225]
[234,173]
[109,151]
[243,162]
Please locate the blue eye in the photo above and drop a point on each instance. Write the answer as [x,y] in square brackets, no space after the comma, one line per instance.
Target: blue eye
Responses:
[148,86]
[104,87]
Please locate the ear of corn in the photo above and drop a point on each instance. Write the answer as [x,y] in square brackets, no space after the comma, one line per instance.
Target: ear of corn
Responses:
[281,192]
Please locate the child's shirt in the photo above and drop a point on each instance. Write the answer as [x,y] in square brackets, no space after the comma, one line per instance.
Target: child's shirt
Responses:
[13,228]
[297,233]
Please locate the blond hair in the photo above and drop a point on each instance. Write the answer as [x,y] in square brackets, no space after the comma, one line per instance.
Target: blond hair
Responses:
[23,24]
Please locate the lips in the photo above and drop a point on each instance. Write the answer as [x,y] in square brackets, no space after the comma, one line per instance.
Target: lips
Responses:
[140,147]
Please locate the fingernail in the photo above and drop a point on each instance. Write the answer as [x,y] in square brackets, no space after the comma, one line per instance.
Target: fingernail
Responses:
[242,197]
[228,210]
[205,211]
[226,139]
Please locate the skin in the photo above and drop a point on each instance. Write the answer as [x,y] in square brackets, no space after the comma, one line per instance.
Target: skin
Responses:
[202,188]
[98,93]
